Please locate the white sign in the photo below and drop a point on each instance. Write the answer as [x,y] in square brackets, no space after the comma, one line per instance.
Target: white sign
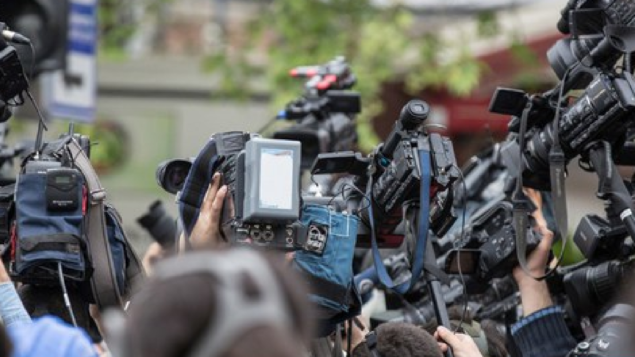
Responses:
[71,93]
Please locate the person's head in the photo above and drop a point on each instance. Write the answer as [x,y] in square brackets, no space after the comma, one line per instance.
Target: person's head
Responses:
[486,335]
[400,339]
[5,343]
[218,304]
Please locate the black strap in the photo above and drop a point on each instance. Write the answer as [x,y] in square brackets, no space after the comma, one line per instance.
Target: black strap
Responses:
[325,288]
[557,172]
[371,344]
[522,208]
[135,274]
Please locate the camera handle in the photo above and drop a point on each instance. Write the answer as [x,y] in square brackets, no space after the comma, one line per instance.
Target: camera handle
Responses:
[611,187]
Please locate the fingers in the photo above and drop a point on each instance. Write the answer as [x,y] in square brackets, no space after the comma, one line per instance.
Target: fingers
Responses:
[547,239]
[217,204]
[443,347]
[210,195]
[447,336]
[288,257]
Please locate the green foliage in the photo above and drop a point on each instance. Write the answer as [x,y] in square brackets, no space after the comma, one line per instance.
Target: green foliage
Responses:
[117,23]
[523,54]
[380,44]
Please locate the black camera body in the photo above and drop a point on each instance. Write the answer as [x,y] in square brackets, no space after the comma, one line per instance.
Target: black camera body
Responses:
[488,249]
[603,112]
[393,173]
[613,337]
[601,31]
[325,112]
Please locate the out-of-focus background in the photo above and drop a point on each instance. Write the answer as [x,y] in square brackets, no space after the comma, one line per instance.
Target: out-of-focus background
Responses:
[172,72]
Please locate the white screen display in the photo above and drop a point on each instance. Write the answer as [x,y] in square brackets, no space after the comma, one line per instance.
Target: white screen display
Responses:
[276,179]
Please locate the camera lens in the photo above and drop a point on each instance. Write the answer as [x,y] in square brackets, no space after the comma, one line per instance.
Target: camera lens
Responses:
[171,174]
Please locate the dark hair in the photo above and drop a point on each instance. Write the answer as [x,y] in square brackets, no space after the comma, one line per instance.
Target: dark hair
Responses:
[495,338]
[401,339]
[169,317]
[6,348]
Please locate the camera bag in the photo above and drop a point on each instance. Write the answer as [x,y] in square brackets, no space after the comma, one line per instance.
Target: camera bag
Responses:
[71,226]
[330,274]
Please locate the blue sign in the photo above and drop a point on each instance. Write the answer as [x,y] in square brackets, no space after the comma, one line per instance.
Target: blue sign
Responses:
[72,93]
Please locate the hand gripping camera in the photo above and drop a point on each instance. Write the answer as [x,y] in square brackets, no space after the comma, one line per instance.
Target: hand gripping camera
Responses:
[262,206]
[263,178]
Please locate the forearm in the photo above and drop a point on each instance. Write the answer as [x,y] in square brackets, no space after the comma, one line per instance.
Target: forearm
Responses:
[534,295]
[11,308]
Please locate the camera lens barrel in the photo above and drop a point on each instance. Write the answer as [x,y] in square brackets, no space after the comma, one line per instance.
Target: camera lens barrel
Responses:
[414,114]
[591,287]
[411,117]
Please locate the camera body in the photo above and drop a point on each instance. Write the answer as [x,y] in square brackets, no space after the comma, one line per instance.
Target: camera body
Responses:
[393,172]
[488,249]
[613,337]
[600,32]
[262,207]
[325,112]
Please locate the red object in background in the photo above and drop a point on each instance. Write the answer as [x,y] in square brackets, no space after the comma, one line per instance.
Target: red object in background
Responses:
[326,82]
[467,115]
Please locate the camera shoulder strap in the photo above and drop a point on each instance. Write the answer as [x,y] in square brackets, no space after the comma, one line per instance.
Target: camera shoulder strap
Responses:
[196,185]
[422,231]
[135,274]
[522,205]
[103,281]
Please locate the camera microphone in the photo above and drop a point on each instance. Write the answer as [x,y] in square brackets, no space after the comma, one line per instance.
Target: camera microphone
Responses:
[15,37]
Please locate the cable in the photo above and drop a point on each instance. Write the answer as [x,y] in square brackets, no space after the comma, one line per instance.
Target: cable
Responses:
[67,300]
[349,338]
[465,296]
[41,125]
[267,125]
[32,60]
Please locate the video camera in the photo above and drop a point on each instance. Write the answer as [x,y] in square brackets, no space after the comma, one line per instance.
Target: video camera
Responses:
[263,180]
[13,80]
[325,112]
[488,249]
[601,32]
[390,177]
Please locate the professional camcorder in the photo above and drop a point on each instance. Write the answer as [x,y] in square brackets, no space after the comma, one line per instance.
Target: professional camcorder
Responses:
[325,113]
[488,248]
[263,206]
[263,178]
[601,33]
[614,337]
[389,178]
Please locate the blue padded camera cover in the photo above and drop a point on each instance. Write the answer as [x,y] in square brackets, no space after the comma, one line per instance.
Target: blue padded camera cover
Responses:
[45,236]
[330,275]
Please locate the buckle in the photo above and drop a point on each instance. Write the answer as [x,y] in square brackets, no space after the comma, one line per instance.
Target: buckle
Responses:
[98,195]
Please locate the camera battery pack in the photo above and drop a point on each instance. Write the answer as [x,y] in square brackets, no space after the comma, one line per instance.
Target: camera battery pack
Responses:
[63,189]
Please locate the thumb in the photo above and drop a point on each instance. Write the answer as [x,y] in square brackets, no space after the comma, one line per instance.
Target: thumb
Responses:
[447,336]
